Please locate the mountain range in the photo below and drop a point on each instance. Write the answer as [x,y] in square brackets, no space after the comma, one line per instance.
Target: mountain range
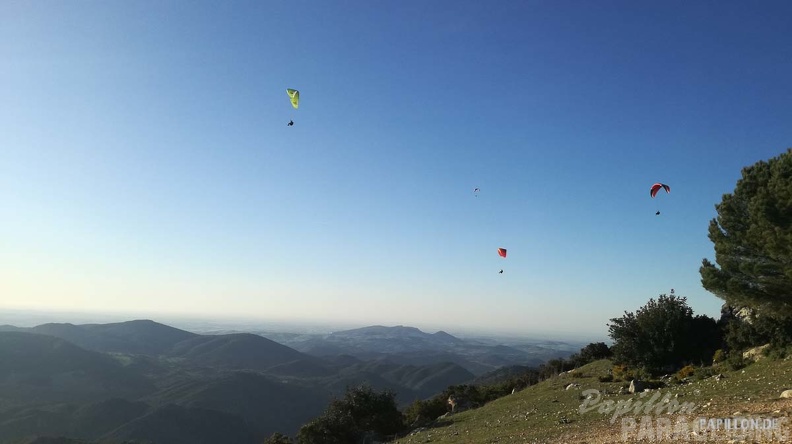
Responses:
[141,380]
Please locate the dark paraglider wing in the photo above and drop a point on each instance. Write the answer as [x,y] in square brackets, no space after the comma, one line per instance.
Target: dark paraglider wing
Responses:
[656,187]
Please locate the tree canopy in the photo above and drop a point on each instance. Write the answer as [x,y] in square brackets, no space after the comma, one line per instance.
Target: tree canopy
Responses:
[753,240]
[361,414]
[663,335]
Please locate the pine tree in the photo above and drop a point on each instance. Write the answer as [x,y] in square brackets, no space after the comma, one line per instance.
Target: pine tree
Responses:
[753,241]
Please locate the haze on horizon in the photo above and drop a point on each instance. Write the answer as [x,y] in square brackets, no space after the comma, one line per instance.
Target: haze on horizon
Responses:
[146,165]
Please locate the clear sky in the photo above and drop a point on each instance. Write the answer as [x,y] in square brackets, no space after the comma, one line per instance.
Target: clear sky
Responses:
[146,165]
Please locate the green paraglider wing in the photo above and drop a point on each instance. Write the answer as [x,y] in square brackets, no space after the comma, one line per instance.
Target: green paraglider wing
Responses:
[294,95]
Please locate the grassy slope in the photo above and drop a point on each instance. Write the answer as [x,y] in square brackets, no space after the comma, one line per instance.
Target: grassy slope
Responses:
[533,415]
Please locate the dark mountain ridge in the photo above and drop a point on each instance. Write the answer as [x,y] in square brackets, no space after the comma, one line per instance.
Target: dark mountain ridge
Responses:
[144,337]
[36,368]
[146,381]
[237,350]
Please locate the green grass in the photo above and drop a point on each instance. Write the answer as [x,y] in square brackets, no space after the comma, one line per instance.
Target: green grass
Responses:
[535,414]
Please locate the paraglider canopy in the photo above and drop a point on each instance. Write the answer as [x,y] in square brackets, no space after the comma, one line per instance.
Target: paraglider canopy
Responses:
[502,252]
[294,95]
[656,187]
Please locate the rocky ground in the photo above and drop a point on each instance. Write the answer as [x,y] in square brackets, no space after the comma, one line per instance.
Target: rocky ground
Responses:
[577,408]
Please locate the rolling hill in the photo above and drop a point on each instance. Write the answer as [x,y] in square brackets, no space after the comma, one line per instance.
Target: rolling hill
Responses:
[141,380]
[39,369]
[411,346]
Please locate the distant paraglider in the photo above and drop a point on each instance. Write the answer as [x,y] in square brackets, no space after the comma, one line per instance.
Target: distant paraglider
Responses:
[475,192]
[294,96]
[501,253]
[655,188]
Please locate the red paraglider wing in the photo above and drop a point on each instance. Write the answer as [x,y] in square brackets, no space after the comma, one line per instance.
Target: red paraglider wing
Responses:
[502,252]
[656,187]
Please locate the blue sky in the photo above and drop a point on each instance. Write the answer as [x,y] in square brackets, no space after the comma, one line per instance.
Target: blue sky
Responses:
[146,165]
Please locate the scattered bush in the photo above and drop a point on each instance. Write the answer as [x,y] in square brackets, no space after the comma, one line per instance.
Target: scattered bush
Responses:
[427,410]
[703,372]
[686,372]
[619,372]
[278,438]
[718,357]
[735,361]
[742,334]
[778,352]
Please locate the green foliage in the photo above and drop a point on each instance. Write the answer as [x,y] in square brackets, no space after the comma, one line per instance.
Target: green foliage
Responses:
[519,382]
[622,372]
[706,338]
[594,351]
[663,335]
[718,357]
[554,367]
[778,352]
[735,361]
[752,236]
[426,410]
[605,378]
[477,395]
[703,372]
[278,438]
[740,335]
[361,413]
[589,353]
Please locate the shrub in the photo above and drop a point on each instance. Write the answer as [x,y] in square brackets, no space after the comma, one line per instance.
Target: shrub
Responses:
[718,357]
[663,335]
[619,372]
[736,361]
[361,412]
[427,410]
[686,371]
[777,352]
[278,438]
[703,372]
